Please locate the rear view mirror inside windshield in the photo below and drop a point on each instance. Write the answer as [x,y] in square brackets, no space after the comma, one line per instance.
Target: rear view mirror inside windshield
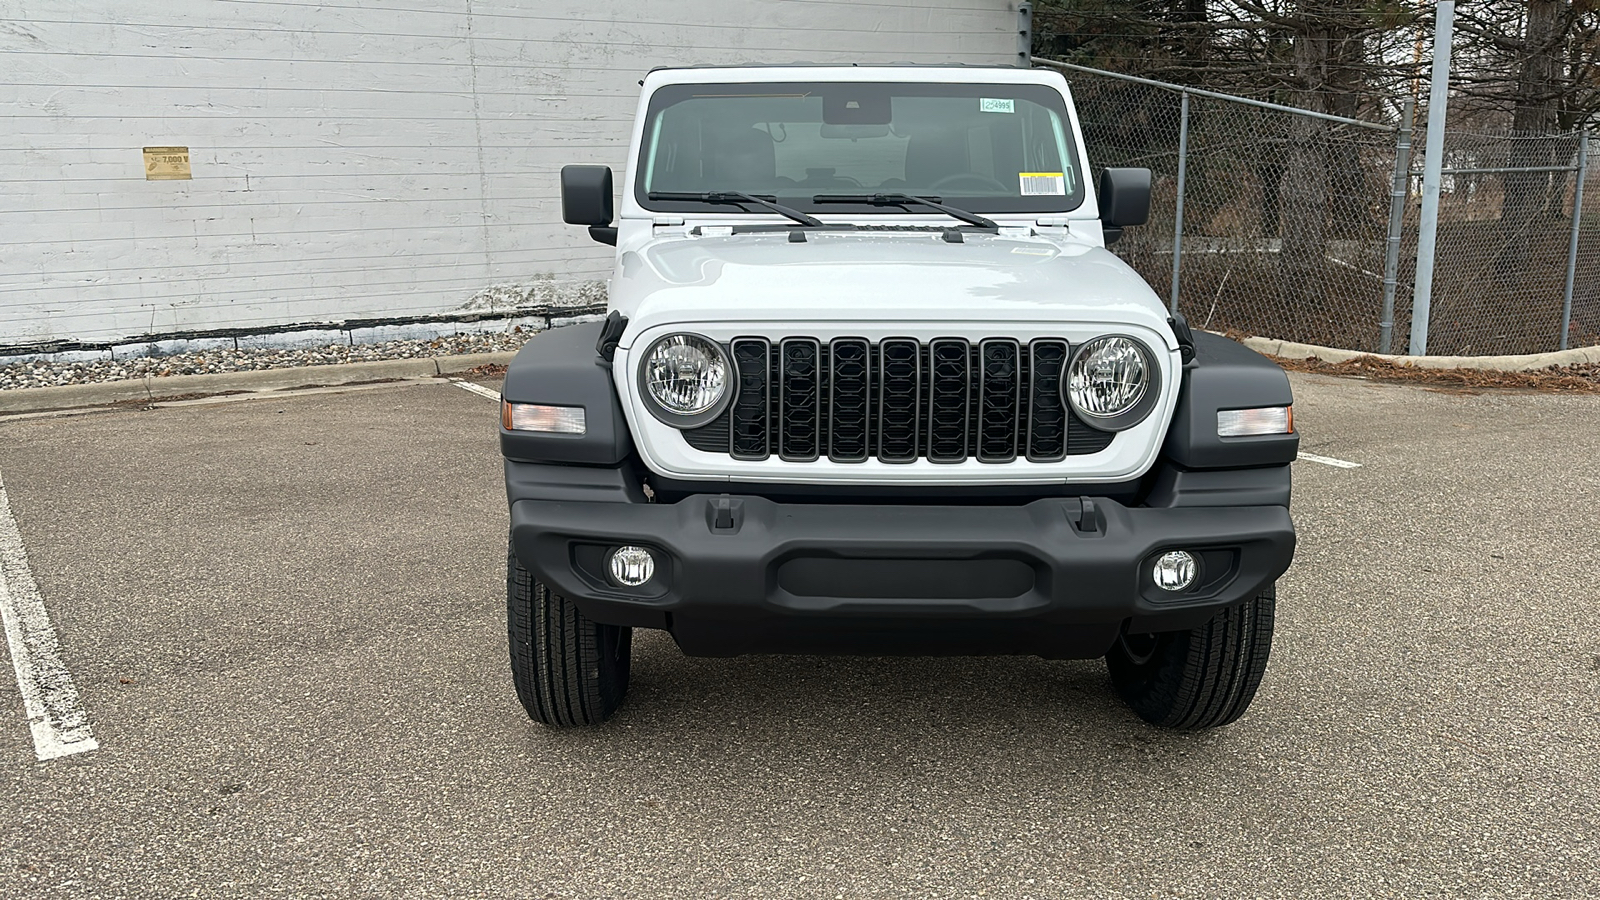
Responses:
[856,104]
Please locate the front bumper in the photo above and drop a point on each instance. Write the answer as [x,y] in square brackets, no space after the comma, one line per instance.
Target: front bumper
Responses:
[1056,577]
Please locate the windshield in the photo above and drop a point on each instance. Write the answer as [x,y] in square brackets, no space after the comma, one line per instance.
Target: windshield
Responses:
[980,147]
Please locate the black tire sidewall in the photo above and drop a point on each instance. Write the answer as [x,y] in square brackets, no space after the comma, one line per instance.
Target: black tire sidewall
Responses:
[567,669]
[1201,678]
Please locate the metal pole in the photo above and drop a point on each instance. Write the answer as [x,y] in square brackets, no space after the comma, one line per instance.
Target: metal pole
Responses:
[1025,35]
[1177,224]
[1398,195]
[1428,233]
[1572,248]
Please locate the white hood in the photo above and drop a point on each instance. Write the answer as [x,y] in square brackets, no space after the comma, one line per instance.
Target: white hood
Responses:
[865,277]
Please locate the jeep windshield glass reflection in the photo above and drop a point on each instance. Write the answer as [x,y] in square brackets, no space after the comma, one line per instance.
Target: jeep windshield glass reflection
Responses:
[982,147]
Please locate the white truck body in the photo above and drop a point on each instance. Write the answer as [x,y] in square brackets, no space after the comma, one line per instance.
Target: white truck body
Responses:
[872,383]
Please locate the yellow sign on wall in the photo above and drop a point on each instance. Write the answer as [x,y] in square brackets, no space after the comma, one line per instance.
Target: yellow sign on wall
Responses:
[166,164]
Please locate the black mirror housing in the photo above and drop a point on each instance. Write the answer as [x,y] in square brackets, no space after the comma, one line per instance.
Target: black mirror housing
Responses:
[1124,197]
[586,195]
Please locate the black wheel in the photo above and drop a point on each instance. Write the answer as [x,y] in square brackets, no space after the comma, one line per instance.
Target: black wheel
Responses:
[1200,678]
[568,670]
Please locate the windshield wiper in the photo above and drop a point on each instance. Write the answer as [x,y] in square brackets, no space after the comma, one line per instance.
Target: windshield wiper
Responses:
[739,198]
[903,200]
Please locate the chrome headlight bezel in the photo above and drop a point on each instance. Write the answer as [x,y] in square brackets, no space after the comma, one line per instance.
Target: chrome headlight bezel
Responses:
[701,416]
[1128,416]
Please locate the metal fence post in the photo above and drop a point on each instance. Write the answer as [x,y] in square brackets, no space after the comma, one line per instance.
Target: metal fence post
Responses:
[1433,161]
[1025,35]
[1572,248]
[1177,223]
[1397,216]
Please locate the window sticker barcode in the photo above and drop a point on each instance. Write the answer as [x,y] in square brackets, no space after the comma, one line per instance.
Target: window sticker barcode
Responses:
[1039,184]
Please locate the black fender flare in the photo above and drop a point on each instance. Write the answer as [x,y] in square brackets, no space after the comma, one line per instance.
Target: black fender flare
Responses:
[561,367]
[1227,375]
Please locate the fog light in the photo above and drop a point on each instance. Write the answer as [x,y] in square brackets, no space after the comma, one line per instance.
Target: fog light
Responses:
[1174,571]
[632,566]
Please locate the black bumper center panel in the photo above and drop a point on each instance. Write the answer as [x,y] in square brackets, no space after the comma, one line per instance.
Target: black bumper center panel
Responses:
[1055,577]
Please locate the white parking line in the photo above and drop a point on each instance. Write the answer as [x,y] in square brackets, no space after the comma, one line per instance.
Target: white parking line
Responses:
[478,389]
[56,716]
[1329,461]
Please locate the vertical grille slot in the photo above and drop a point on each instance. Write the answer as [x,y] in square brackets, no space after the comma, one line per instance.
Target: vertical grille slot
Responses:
[849,394]
[750,409]
[949,386]
[899,398]
[999,399]
[1047,413]
[799,399]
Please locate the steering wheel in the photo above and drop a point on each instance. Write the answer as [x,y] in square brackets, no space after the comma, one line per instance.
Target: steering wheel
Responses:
[982,182]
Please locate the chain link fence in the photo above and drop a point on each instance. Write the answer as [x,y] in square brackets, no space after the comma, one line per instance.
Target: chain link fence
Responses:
[1506,231]
[1302,226]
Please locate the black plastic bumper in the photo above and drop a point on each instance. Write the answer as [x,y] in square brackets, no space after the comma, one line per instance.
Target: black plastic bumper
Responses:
[1055,577]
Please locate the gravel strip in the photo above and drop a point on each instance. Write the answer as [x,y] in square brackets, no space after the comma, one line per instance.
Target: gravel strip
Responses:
[1577,379]
[43,373]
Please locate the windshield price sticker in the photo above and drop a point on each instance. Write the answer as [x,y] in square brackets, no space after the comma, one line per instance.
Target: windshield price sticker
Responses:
[1043,184]
[986,104]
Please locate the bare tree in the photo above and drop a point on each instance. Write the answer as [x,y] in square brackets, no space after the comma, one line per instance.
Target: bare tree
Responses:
[1534,66]
[1245,47]
[1328,56]
[1534,63]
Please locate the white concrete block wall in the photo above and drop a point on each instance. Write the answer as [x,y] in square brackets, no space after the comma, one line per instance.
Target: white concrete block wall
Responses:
[355,159]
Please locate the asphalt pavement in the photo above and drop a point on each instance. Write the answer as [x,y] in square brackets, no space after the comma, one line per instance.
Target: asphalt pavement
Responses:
[285,621]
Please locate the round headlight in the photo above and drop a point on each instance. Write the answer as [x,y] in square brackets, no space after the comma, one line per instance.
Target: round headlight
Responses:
[1112,383]
[685,377]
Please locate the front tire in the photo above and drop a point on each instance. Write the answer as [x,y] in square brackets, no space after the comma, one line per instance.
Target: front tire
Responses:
[1201,678]
[568,669]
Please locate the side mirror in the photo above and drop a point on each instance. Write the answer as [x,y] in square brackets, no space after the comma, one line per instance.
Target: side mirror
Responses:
[1124,200]
[586,200]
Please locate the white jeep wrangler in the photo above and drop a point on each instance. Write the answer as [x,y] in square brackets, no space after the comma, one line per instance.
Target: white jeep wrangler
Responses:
[871,383]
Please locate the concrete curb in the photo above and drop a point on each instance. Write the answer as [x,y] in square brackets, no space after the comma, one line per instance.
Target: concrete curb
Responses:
[1523,363]
[74,396]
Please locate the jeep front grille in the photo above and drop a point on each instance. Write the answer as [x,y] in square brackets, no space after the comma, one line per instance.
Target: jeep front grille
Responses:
[849,400]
